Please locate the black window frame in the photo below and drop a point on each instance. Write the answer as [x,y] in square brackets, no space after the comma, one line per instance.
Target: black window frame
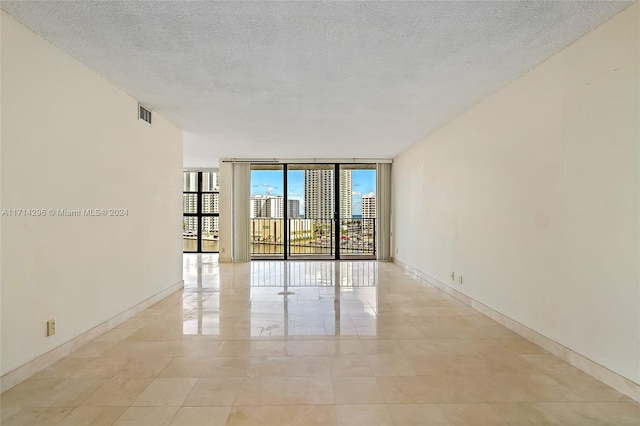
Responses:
[199,193]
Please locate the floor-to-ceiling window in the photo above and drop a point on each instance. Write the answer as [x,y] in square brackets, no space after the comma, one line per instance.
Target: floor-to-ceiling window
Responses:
[201,211]
[358,210]
[313,210]
[267,210]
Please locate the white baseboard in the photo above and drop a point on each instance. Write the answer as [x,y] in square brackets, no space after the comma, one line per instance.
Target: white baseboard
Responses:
[606,376]
[22,373]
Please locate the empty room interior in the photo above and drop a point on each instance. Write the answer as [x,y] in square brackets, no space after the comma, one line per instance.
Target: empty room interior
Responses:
[320,213]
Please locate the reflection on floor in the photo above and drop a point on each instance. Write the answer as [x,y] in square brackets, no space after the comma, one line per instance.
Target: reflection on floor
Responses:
[311,343]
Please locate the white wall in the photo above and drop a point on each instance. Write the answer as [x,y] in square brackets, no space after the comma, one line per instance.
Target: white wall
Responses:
[533,195]
[71,140]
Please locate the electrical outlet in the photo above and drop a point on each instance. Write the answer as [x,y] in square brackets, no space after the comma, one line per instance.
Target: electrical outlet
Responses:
[460,279]
[453,276]
[51,327]
[222,250]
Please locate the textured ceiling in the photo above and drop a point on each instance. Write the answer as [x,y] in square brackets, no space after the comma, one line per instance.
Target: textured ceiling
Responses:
[309,79]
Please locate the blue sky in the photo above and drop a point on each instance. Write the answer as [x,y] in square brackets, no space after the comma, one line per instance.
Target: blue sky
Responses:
[270,182]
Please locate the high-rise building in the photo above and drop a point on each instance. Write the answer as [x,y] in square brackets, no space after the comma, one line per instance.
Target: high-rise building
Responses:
[293,209]
[210,181]
[210,224]
[258,208]
[190,224]
[276,206]
[319,196]
[210,203]
[369,206]
[267,206]
[190,203]
[346,211]
[255,207]
[190,181]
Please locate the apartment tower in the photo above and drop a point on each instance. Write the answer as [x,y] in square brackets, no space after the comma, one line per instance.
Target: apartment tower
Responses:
[319,196]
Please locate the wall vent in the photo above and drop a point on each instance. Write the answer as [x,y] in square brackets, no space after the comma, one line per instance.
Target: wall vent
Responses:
[144,114]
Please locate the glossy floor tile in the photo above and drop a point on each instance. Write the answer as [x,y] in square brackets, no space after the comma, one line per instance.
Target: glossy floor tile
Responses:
[311,343]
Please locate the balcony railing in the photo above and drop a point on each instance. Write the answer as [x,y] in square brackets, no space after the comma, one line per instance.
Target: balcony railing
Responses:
[306,237]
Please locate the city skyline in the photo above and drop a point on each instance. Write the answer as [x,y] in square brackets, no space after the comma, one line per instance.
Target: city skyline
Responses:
[270,182]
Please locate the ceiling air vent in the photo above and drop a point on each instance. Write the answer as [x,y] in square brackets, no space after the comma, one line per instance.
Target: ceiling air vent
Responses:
[144,114]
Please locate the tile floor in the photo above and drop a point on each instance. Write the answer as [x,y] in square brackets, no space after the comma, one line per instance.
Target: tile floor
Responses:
[311,343]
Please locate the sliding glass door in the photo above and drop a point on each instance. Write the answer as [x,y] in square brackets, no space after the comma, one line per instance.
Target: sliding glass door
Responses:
[312,228]
[358,210]
[267,227]
[322,211]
